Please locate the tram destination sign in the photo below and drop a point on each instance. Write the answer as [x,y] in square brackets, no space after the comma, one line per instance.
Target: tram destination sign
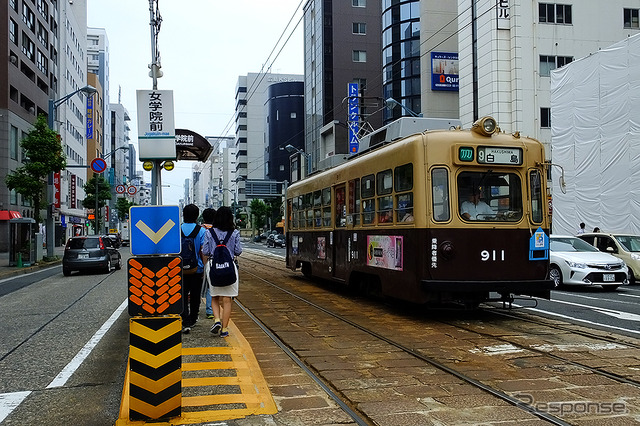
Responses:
[499,155]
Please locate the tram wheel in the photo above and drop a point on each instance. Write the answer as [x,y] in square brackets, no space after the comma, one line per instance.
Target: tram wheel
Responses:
[556,276]
[306,270]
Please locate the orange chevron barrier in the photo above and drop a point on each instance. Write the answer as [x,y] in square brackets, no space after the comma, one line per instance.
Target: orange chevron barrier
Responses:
[155,285]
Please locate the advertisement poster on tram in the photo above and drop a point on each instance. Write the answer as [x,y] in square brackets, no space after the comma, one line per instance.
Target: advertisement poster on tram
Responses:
[385,251]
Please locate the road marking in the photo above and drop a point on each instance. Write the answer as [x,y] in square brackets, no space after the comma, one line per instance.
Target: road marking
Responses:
[155,236]
[73,365]
[10,401]
[617,314]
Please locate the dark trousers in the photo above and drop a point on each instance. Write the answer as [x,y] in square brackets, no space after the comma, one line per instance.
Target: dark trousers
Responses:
[192,286]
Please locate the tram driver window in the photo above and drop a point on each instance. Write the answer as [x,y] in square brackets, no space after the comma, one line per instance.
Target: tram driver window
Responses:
[490,196]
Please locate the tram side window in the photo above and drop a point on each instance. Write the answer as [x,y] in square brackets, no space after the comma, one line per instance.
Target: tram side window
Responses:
[368,192]
[306,213]
[341,208]
[354,202]
[292,210]
[384,187]
[537,201]
[403,182]
[440,194]
[317,208]
[326,207]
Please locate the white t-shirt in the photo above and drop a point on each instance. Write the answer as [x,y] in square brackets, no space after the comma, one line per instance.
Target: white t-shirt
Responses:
[474,210]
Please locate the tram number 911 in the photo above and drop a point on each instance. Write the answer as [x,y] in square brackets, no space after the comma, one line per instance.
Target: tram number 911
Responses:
[492,255]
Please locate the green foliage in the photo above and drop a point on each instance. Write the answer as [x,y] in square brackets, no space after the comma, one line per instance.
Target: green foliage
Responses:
[122,207]
[259,210]
[44,155]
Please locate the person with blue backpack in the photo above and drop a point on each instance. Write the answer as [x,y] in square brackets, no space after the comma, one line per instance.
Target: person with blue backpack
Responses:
[221,246]
[192,266]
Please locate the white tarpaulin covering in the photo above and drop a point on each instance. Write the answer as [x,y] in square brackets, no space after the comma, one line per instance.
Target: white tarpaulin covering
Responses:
[595,127]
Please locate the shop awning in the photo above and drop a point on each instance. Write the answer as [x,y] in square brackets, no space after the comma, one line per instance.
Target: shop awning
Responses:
[9,214]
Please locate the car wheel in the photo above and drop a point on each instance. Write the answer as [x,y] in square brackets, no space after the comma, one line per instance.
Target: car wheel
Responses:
[66,272]
[119,264]
[107,269]
[632,277]
[556,276]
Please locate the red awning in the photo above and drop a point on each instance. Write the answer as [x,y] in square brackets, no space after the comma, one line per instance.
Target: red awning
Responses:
[9,214]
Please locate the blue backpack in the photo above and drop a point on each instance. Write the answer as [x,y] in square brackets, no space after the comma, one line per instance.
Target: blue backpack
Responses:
[188,251]
[222,272]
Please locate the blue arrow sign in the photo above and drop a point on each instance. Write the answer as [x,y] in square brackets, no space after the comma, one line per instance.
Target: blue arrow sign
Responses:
[155,230]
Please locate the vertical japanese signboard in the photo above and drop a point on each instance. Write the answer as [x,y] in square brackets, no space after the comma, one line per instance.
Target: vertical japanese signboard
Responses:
[72,185]
[502,11]
[89,117]
[354,117]
[156,125]
[56,190]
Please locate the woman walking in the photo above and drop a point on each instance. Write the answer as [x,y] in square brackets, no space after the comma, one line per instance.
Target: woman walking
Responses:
[222,297]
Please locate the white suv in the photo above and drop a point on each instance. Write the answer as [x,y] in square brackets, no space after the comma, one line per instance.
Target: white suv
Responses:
[623,246]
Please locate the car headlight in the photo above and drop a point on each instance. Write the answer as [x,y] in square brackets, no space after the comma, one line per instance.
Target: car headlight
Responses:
[635,256]
[576,264]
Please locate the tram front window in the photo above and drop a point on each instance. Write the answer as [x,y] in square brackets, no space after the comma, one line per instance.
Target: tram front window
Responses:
[489,196]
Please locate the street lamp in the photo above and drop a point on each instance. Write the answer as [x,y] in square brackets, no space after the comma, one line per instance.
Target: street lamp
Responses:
[392,103]
[53,105]
[307,163]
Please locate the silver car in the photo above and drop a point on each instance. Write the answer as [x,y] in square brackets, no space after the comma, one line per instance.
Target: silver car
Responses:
[90,252]
[576,262]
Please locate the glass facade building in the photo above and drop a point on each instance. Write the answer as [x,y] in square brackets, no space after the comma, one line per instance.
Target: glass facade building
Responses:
[401,56]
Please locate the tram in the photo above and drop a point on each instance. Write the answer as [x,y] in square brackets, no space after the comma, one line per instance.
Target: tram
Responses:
[437,217]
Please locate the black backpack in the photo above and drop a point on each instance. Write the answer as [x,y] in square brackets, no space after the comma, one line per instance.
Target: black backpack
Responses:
[222,272]
[188,251]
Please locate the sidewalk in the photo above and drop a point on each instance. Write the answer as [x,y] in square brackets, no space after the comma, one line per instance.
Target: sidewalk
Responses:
[7,271]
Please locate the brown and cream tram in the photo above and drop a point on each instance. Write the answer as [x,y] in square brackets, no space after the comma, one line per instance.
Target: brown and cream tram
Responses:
[440,216]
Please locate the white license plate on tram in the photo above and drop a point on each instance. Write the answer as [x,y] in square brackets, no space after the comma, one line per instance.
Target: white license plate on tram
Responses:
[608,277]
[86,256]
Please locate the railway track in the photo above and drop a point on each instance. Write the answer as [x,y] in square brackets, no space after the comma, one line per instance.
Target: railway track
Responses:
[465,360]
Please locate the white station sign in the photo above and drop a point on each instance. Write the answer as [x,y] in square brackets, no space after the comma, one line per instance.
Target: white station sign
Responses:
[156,125]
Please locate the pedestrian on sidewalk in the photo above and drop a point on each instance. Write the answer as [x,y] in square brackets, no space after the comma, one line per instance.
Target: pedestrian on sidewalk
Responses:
[208,216]
[222,297]
[192,278]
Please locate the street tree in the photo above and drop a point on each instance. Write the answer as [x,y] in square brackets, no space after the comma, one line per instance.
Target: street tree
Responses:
[103,191]
[122,208]
[43,155]
[259,210]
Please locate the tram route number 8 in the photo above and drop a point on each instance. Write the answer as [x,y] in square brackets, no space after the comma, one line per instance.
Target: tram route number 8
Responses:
[492,255]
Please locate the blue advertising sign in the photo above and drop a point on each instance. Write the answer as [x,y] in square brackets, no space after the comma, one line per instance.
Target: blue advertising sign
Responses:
[444,71]
[90,117]
[155,230]
[354,117]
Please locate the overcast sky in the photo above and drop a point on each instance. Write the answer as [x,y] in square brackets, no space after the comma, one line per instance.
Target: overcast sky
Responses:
[204,46]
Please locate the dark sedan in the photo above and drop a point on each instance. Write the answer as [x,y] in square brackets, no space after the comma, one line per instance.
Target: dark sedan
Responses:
[276,240]
[90,252]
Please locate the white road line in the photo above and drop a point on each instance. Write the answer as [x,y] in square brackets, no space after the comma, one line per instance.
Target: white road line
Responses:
[599,299]
[10,401]
[73,365]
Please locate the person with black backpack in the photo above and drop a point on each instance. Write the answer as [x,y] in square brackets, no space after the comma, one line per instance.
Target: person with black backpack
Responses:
[192,267]
[221,246]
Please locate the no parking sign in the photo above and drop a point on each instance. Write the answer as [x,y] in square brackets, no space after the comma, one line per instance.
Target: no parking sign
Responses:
[132,190]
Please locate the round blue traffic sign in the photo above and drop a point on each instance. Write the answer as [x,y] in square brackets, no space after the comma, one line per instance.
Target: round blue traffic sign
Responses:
[98,165]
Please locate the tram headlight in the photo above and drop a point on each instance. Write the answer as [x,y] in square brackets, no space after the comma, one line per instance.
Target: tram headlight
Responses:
[486,126]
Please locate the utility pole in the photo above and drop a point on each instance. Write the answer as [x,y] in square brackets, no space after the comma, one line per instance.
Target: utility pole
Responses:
[155,73]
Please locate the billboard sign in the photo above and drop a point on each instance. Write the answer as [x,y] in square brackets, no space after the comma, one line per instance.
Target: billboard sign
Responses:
[354,117]
[444,71]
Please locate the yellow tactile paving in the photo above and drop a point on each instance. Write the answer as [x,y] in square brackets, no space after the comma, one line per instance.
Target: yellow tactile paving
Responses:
[254,392]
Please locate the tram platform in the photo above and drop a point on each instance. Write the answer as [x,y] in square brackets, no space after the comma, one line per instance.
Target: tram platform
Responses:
[243,379]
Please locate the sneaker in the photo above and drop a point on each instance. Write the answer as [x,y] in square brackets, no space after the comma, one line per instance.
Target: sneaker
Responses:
[186,330]
[210,316]
[224,333]
[215,329]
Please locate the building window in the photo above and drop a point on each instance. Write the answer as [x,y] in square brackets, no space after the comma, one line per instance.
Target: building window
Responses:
[13,31]
[359,3]
[43,8]
[555,13]
[42,62]
[28,48]
[359,28]
[548,63]
[545,118]
[43,35]
[14,144]
[631,18]
[28,17]
[359,56]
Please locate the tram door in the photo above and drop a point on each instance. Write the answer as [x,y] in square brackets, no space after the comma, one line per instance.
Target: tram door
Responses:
[340,243]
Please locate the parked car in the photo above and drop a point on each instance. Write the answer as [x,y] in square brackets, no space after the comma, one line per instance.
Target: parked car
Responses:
[622,246]
[90,252]
[115,239]
[276,240]
[576,262]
